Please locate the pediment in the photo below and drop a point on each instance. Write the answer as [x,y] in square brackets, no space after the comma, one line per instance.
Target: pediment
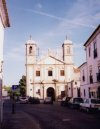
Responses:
[50,60]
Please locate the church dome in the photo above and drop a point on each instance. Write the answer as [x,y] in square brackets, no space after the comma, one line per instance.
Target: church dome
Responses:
[30,41]
[67,41]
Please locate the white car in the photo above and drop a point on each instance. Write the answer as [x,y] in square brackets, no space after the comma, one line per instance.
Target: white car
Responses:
[48,100]
[90,104]
[23,100]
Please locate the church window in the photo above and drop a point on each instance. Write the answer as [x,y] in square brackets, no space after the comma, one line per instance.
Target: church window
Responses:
[75,83]
[30,49]
[49,73]
[37,73]
[68,50]
[95,49]
[62,73]
[84,93]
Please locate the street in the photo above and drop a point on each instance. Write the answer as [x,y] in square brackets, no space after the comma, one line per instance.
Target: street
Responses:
[54,116]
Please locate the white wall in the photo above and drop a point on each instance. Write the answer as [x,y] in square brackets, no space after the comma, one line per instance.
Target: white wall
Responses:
[92,64]
[84,84]
[1,40]
[91,61]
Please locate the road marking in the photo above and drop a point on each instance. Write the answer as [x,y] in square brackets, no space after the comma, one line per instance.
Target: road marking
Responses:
[66,119]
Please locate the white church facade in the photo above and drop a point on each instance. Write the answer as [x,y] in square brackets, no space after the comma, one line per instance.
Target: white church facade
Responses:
[50,75]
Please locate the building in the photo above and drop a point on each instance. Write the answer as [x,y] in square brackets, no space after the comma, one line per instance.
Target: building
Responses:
[49,76]
[90,70]
[73,87]
[4,22]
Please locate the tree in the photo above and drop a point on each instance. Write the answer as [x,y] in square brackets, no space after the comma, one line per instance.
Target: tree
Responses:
[22,85]
[6,88]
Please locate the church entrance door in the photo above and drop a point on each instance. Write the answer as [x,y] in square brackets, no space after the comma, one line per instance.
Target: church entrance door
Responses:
[51,93]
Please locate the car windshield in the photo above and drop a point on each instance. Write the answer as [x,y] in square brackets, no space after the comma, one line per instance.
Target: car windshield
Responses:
[97,101]
[23,97]
[48,98]
[79,100]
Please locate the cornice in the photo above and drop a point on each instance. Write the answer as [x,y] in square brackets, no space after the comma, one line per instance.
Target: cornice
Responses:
[4,14]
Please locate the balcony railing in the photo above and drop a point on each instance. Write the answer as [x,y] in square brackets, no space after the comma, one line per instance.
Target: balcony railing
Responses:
[98,77]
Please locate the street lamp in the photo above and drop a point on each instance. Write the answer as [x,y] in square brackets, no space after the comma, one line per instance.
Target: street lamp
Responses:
[43,88]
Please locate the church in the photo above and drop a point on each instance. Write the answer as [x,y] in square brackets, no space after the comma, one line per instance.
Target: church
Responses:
[51,75]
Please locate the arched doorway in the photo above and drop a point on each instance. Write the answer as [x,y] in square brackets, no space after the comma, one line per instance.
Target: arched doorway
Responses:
[51,93]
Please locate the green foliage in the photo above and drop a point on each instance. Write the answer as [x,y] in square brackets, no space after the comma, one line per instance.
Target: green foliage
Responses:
[6,88]
[22,85]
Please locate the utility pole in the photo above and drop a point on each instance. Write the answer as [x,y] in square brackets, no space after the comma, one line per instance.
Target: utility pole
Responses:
[13,103]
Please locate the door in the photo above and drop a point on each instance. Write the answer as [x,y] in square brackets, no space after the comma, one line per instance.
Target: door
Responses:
[51,93]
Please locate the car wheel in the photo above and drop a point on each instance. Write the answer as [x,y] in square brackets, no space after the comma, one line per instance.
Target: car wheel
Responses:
[87,110]
[80,108]
[71,106]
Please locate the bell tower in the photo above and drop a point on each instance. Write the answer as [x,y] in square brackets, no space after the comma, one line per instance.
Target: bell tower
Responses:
[31,48]
[31,52]
[67,47]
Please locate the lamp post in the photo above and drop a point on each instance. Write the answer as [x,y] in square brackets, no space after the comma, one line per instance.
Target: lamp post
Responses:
[43,92]
[43,88]
[1,101]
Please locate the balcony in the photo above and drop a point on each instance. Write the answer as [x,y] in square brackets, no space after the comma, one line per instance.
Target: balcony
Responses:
[91,79]
[95,53]
[98,77]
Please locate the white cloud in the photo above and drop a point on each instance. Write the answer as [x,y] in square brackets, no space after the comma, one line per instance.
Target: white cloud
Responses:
[61,19]
[83,11]
[80,14]
[97,16]
[38,6]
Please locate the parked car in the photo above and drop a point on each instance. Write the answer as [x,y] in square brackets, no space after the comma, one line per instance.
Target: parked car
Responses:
[34,100]
[75,102]
[41,101]
[64,101]
[23,99]
[48,100]
[90,104]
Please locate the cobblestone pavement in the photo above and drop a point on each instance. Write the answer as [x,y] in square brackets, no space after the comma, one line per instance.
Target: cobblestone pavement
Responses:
[57,117]
[46,116]
[18,120]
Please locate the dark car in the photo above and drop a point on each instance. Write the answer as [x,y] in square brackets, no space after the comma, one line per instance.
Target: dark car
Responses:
[75,102]
[34,100]
[65,100]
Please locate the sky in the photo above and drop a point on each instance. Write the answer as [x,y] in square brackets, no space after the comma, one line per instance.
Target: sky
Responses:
[48,22]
